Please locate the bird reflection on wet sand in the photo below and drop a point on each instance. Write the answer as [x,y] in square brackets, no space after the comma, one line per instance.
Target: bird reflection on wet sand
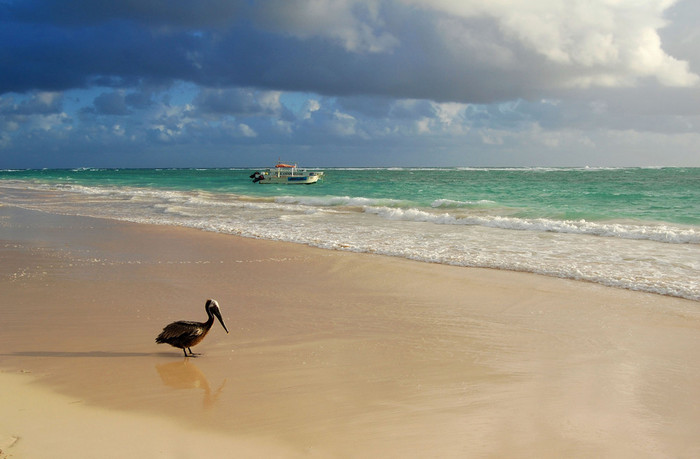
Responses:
[186,375]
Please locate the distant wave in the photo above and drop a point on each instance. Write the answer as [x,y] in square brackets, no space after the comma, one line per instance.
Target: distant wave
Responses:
[334,201]
[659,233]
[95,169]
[398,210]
[484,168]
[449,203]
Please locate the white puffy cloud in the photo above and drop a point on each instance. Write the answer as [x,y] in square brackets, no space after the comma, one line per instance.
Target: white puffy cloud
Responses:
[311,106]
[593,42]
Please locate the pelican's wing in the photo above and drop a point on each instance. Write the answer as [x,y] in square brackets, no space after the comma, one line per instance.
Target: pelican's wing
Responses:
[180,330]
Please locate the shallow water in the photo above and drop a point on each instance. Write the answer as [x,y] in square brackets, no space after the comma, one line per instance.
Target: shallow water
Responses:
[631,228]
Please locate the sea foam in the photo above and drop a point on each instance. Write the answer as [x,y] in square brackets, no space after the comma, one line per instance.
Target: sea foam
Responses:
[452,225]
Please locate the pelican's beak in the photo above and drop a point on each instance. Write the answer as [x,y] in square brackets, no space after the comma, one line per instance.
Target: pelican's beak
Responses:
[217,313]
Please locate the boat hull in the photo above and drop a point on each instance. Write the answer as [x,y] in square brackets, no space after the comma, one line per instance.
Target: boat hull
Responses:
[293,180]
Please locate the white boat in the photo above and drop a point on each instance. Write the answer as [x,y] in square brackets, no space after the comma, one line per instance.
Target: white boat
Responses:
[286,174]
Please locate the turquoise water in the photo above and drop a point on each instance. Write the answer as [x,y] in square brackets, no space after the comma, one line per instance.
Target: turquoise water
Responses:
[632,228]
[659,195]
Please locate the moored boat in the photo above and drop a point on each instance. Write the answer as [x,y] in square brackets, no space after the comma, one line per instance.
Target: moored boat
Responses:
[286,174]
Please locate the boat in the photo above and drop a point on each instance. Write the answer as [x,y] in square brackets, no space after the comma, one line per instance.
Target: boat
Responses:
[287,174]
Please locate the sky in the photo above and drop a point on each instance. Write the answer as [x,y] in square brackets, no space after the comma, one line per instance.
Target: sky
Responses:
[336,83]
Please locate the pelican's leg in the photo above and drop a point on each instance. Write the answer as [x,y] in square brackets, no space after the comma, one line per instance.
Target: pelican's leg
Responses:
[192,354]
[183,350]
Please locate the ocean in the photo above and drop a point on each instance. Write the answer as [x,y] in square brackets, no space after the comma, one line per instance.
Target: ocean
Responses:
[631,228]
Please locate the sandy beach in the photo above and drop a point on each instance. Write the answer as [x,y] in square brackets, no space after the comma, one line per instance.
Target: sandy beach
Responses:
[330,354]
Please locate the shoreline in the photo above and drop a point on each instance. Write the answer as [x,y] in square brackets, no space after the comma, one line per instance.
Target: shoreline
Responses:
[334,354]
[639,254]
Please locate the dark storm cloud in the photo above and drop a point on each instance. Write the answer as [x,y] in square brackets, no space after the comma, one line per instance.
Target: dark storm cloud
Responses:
[250,57]
[122,53]
[421,52]
[117,54]
[176,13]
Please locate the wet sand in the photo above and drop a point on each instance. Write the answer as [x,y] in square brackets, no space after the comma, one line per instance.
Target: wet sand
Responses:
[331,354]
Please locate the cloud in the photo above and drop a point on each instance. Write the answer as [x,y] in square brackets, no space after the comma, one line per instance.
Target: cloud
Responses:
[239,101]
[109,103]
[42,103]
[357,25]
[158,13]
[311,106]
[591,43]
[460,79]
[37,113]
[444,50]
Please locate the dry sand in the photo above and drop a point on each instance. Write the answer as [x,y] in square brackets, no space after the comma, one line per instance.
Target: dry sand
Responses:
[330,354]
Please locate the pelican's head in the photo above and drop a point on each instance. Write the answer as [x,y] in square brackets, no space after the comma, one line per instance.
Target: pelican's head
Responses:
[213,307]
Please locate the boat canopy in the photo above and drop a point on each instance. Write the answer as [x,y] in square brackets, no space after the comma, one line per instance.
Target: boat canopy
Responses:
[283,165]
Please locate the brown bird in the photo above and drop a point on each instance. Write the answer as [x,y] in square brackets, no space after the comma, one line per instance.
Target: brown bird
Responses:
[185,334]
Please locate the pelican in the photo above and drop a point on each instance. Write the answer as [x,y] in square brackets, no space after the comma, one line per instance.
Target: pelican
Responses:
[184,334]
